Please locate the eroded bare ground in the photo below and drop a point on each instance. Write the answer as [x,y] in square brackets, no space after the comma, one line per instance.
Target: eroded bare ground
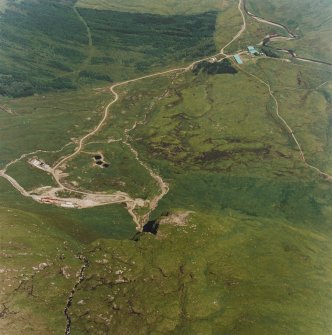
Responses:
[179,218]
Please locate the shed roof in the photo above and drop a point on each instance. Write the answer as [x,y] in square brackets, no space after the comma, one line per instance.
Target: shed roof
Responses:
[238,59]
[251,49]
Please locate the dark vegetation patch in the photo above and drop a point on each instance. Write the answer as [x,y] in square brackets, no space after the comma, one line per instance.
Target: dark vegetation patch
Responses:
[270,52]
[41,40]
[102,60]
[15,86]
[224,66]
[215,155]
[183,155]
[73,55]
[59,66]
[60,83]
[156,36]
[95,75]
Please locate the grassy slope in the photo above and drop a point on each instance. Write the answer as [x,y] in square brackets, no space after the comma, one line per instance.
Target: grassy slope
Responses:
[305,104]
[84,225]
[46,45]
[228,273]
[31,249]
[245,275]
[48,122]
[124,173]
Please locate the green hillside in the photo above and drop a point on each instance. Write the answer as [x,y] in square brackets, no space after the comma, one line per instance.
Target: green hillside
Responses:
[51,45]
[310,20]
[225,169]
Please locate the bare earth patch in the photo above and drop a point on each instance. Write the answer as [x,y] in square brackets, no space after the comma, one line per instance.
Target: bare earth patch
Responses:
[176,219]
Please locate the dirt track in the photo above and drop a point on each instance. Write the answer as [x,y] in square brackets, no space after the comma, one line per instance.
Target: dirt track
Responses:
[291,36]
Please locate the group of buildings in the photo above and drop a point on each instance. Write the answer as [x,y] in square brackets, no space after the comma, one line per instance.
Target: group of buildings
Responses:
[252,51]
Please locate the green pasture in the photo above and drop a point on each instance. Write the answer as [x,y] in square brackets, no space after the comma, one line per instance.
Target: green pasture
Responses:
[123,174]
[48,122]
[82,225]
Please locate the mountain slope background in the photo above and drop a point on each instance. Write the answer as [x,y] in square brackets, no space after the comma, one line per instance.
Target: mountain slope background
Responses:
[241,244]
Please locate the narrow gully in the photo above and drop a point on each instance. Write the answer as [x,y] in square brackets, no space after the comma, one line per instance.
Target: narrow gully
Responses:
[81,278]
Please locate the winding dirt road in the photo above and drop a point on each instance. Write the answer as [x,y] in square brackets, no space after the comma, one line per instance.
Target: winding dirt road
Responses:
[283,121]
[241,31]
[290,131]
[262,20]
[276,37]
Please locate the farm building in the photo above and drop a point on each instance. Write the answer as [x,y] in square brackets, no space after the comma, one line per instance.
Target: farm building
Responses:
[238,59]
[252,50]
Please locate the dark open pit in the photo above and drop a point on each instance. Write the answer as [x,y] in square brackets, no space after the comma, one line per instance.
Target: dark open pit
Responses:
[99,162]
[98,157]
[151,227]
[106,165]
